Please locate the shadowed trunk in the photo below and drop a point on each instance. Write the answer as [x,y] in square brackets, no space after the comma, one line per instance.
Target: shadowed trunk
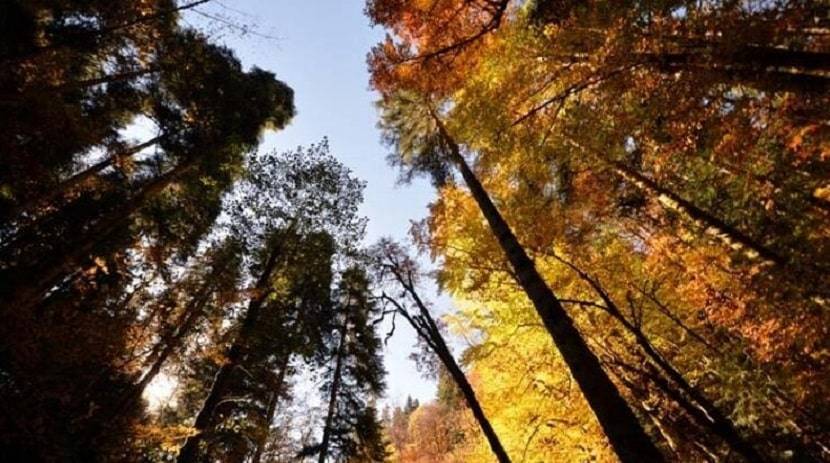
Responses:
[276,392]
[762,67]
[426,327]
[206,417]
[68,259]
[64,187]
[184,326]
[335,389]
[705,412]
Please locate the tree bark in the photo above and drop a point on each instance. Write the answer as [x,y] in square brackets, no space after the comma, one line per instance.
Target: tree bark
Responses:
[206,417]
[731,236]
[432,335]
[764,68]
[621,426]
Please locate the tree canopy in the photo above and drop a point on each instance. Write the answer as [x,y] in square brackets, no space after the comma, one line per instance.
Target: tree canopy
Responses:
[630,235]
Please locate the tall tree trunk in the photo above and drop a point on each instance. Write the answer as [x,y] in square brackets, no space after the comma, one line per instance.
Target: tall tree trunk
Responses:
[206,417]
[731,236]
[335,389]
[276,392]
[66,261]
[621,426]
[433,336]
[76,180]
[711,417]
[183,327]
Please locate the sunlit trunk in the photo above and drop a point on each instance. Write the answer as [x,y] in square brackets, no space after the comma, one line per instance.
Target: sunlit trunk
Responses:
[621,426]
[728,234]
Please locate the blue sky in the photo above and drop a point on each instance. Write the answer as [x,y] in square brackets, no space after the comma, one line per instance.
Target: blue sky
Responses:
[319,47]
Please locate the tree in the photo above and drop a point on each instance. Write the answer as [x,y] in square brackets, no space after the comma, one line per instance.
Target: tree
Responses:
[434,43]
[354,376]
[213,148]
[403,272]
[295,211]
[98,229]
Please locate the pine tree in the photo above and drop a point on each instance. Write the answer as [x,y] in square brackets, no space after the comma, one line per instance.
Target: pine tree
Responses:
[354,377]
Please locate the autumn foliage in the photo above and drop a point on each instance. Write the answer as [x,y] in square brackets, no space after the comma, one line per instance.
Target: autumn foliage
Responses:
[665,167]
[631,218]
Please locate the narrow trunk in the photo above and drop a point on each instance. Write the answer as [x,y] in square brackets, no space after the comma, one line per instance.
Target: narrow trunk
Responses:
[763,68]
[716,421]
[184,326]
[818,205]
[205,419]
[335,389]
[621,426]
[276,391]
[711,417]
[26,294]
[732,237]
[444,354]
[64,187]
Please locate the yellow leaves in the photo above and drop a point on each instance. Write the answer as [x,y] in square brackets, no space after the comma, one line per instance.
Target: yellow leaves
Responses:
[822,193]
[101,264]
[167,438]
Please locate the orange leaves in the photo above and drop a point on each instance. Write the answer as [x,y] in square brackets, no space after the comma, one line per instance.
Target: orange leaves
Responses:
[434,42]
[720,158]
[811,142]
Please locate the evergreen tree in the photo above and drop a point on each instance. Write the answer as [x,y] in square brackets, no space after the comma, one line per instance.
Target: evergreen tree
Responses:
[353,377]
[295,211]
